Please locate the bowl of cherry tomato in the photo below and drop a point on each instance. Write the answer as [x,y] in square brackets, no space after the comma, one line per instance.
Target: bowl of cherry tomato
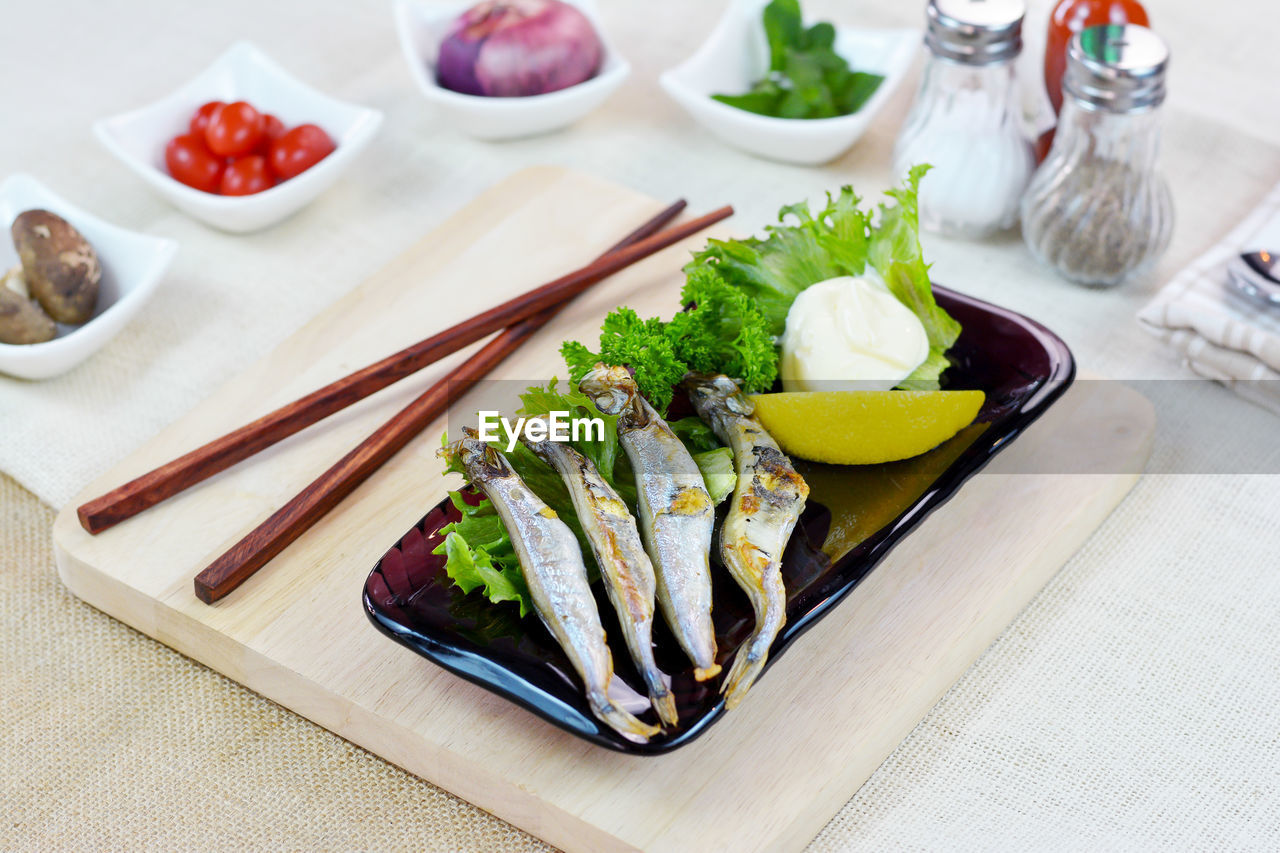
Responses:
[243,145]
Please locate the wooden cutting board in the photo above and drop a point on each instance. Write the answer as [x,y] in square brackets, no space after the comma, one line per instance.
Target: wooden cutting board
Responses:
[768,776]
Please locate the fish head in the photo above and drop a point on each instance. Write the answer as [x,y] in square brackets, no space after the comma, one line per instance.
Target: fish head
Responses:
[610,387]
[710,392]
[473,458]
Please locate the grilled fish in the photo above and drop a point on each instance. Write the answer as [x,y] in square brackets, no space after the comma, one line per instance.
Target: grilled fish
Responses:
[763,511]
[552,565]
[627,571]
[675,512]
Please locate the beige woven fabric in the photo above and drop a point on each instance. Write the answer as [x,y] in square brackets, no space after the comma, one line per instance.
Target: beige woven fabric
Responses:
[112,740]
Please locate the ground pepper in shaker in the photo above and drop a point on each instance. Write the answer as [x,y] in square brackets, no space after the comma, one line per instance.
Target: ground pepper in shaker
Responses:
[1096,210]
[966,119]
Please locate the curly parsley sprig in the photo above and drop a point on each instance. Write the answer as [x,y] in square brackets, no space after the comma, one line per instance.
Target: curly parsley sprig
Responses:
[719,331]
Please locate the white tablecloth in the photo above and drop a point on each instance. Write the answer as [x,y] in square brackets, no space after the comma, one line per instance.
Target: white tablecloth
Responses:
[1134,704]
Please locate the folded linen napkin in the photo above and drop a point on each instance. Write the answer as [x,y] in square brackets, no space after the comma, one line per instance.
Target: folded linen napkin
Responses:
[1219,335]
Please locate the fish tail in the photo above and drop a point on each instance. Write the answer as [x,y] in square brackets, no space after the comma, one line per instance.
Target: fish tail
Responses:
[702,673]
[754,654]
[619,720]
[665,704]
[747,666]
[770,605]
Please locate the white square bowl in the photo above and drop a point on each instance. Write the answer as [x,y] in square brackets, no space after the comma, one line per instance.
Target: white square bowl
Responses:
[244,73]
[132,266]
[422,25]
[736,55]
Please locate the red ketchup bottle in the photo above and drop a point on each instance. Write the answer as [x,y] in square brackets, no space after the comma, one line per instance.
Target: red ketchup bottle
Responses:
[1068,18]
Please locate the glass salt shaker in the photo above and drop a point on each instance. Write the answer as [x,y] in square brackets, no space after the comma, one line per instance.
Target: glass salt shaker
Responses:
[1096,210]
[966,119]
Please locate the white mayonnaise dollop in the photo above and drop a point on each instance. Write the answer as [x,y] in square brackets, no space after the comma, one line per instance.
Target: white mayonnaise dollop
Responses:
[850,333]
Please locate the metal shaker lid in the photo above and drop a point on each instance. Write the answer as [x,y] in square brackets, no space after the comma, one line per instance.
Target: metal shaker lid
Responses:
[975,32]
[1118,68]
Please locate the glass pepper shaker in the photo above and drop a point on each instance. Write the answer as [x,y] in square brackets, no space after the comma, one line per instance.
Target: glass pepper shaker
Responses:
[966,119]
[1096,210]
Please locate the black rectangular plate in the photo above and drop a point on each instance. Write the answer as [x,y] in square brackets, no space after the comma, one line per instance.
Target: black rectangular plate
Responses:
[854,516]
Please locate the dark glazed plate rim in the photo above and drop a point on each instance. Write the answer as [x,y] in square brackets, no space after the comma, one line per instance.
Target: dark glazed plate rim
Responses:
[473,662]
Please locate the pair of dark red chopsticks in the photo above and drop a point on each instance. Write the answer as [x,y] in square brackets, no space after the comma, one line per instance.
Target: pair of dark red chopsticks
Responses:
[519,318]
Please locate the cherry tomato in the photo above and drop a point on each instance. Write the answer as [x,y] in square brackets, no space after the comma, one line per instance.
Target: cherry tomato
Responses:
[299,150]
[272,129]
[191,162]
[247,175]
[234,129]
[200,120]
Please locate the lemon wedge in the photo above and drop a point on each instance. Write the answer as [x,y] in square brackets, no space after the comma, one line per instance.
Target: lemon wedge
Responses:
[865,427]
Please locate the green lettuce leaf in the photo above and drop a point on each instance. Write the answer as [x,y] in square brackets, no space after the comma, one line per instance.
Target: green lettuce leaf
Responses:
[928,376]
[473,568]
[801,251]
[805,249]
[696,435]
[894,251]
[479,555]
[718,472]
[539,401]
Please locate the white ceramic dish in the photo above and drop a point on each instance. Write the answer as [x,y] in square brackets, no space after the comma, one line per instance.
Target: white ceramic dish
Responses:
[138,138]
[423,25]
[736,55]
[132,266]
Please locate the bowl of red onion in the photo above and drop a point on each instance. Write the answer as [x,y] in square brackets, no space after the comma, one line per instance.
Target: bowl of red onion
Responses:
[502,69]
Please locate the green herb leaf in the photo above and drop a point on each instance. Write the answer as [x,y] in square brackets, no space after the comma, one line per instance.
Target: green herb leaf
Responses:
[856,90]
[760,101]
[721,331]
[807,79]
[782,28]
[640,344]
[579,359]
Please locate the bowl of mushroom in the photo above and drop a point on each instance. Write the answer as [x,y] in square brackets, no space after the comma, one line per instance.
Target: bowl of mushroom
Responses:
[68,280]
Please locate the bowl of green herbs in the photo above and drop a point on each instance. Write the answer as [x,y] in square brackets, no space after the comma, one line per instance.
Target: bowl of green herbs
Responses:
[770,83]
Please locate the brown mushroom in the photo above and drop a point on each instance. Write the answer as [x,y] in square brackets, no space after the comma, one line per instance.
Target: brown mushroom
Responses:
[22,320]
[61,268]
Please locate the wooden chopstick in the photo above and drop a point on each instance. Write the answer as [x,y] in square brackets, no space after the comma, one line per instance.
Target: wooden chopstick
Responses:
[169,479]
[289,522]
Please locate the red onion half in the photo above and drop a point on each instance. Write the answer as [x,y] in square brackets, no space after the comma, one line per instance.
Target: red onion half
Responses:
[513,48]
